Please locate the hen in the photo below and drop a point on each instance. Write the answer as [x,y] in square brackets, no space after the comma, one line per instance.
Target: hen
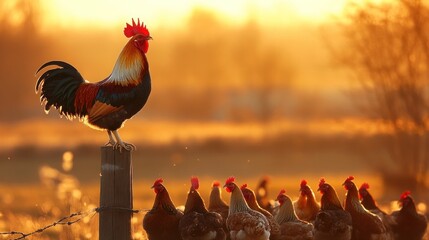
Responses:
[197,222]
[243,222]
[410,224]
[217,204]
[108,103]
[332,221]
[369,203]
[366,225]
[291,227]
[306,206]
[262,195]
[250,198]
[162,221]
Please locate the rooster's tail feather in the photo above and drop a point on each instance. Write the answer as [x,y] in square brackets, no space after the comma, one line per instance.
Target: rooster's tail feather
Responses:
[58,87]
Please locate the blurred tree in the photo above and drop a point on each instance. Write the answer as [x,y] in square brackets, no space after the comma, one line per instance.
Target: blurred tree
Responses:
[22,48]
[234,71]
[386,45]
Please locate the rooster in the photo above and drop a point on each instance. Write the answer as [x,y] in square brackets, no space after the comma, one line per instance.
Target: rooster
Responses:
[306,206]
[410,224]
[162,221]
[366,225]
[250,198]
[243,222]
[332,221]
[197,223]
[369,203]
[291,227]
[108,103]
[217,204]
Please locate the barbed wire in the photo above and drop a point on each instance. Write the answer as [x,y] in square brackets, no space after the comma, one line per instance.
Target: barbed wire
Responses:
[71,219]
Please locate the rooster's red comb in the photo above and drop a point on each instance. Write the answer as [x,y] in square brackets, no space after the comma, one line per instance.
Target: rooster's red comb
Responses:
[322,181]
[216,184]
[405,194]
[195,183]
[139,28]
[303,183]
[364,186]
[230,180]
[350,178]
[243,186]
[158,181]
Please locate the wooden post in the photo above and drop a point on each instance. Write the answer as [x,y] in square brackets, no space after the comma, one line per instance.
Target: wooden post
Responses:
[116,194]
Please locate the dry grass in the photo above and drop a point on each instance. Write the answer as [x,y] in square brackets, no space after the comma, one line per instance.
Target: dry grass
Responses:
[38,188]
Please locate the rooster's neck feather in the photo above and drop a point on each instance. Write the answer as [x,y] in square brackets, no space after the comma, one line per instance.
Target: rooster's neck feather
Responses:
[330,200]
[194,203]
[368,202]
[302,201]
[162,198]
[352,201]
[237,204]
[129,66]
[286,213]
[410,208]
[216,199]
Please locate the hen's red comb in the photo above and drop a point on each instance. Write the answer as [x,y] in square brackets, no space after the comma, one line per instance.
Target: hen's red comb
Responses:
[195,183]
[350,178]
[322,181]
[230,180]
[243,186]
[303,183]
[216,184]
[139,28]
[364,186]
[405,194]
[158,181]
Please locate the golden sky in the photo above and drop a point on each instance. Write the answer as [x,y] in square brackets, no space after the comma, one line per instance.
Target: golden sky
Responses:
[171,12]
[312,77]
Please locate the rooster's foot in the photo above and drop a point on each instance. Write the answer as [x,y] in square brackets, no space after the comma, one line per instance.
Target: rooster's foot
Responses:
[119,144]
[111,141]
[123,145]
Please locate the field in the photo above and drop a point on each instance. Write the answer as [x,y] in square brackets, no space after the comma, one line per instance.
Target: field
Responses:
[39,186]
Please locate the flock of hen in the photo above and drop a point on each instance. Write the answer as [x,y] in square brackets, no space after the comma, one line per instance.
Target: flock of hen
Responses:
[252,217]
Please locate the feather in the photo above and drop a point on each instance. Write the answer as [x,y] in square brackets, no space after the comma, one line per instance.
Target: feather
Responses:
[100,110]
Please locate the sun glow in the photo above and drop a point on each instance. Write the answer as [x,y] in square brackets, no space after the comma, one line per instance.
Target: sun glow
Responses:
[173,13]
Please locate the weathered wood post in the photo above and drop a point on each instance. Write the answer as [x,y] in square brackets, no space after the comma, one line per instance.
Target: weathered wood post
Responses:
[116,194]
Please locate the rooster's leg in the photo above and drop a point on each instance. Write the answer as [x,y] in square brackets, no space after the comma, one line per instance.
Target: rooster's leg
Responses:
[120,144]
[111,141]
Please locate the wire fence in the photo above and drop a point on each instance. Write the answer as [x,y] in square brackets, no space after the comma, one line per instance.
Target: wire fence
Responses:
[68,220]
